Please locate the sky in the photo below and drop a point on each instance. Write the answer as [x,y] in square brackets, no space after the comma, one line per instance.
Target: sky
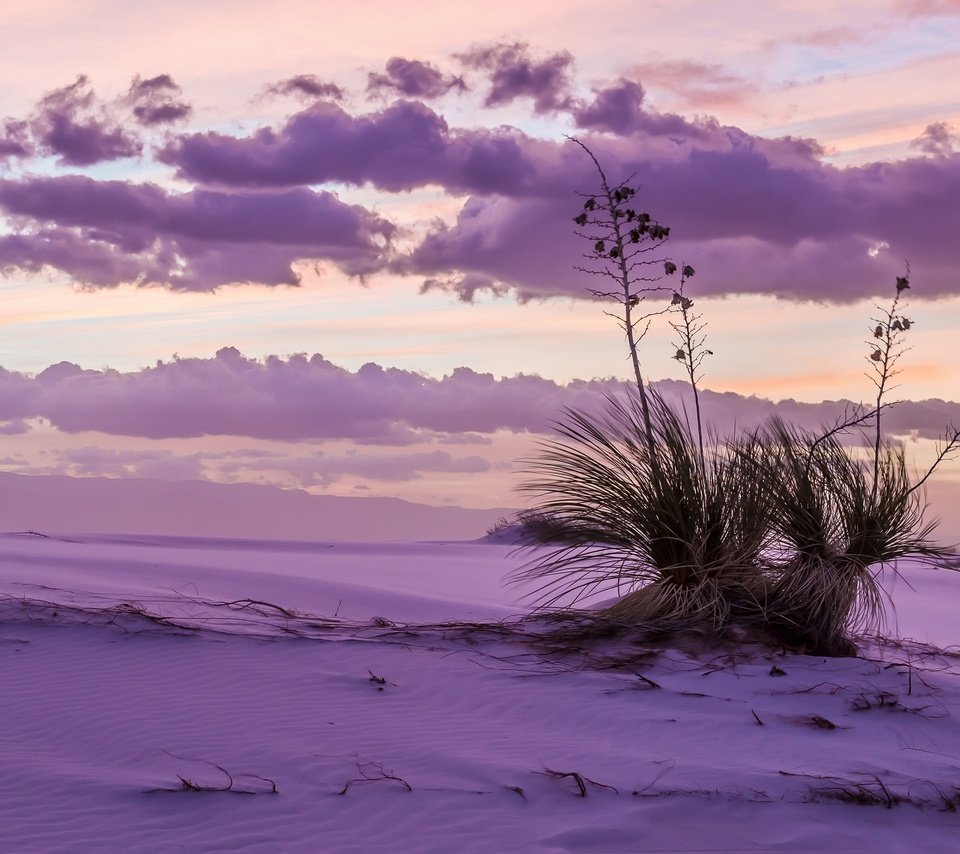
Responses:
[331,246]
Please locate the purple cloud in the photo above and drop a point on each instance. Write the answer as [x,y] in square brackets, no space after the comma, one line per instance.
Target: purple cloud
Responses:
[403,146]
[752,215]
[104,233]
[71,124]
[413,78]
[15,139]
[619,109]
[286,399]
[936,140]
[513,73]
[157,101]
[307,87]
[301,398]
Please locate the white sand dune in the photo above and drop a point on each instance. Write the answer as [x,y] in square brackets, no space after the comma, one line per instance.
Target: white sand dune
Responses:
[248,727]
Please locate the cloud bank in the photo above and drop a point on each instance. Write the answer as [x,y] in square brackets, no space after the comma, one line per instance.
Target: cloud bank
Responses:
[309,398]
[752,214]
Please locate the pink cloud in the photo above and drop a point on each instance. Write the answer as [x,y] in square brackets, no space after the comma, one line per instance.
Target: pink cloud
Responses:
[324,469]
[698,85]
[928,8]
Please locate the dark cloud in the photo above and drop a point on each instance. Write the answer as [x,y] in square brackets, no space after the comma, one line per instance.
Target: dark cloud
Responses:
[307,87]
[404,146]
[104,233]
[301,398]
[513,73]
[73,125]
[157,101]
[412,78]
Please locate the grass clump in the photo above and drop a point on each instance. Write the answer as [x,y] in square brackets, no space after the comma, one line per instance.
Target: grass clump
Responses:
[657,531]
[836,521]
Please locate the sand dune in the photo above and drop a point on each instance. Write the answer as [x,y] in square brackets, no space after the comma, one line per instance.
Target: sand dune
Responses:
[255,728]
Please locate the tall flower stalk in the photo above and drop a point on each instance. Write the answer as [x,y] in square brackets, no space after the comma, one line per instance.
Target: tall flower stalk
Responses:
[690,341]
[621,239]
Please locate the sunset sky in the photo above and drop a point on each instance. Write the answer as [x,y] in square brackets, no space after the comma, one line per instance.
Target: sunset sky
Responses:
[331,246]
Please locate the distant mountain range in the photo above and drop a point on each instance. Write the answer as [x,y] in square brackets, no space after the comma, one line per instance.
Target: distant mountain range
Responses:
[194,508]
[51,503]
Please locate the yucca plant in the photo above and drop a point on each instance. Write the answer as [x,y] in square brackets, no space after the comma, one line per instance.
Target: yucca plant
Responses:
[837,520]
[677,538]
[781,528]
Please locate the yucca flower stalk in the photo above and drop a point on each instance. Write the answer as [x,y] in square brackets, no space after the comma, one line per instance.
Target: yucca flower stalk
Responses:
[622,239]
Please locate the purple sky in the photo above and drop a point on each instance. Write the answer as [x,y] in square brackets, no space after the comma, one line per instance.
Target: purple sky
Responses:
[183,221]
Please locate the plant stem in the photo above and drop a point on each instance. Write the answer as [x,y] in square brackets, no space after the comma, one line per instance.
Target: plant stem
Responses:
[624,279]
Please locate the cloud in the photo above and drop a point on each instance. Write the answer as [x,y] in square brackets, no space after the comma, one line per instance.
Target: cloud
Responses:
[285,399]
[513,73]
[301,398]
[15,139]
[307,87]
[752,215]
[323,469]
[928,8]
[936,140]
[109,462]
[104,233]
[13,427]
[413,78]
[697,85]
[618,109]
[73,125]
[404,146]
[157,101]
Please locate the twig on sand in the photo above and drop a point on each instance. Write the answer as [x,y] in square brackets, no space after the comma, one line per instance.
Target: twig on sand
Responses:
[372,772]
[577,778]
[231,785]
